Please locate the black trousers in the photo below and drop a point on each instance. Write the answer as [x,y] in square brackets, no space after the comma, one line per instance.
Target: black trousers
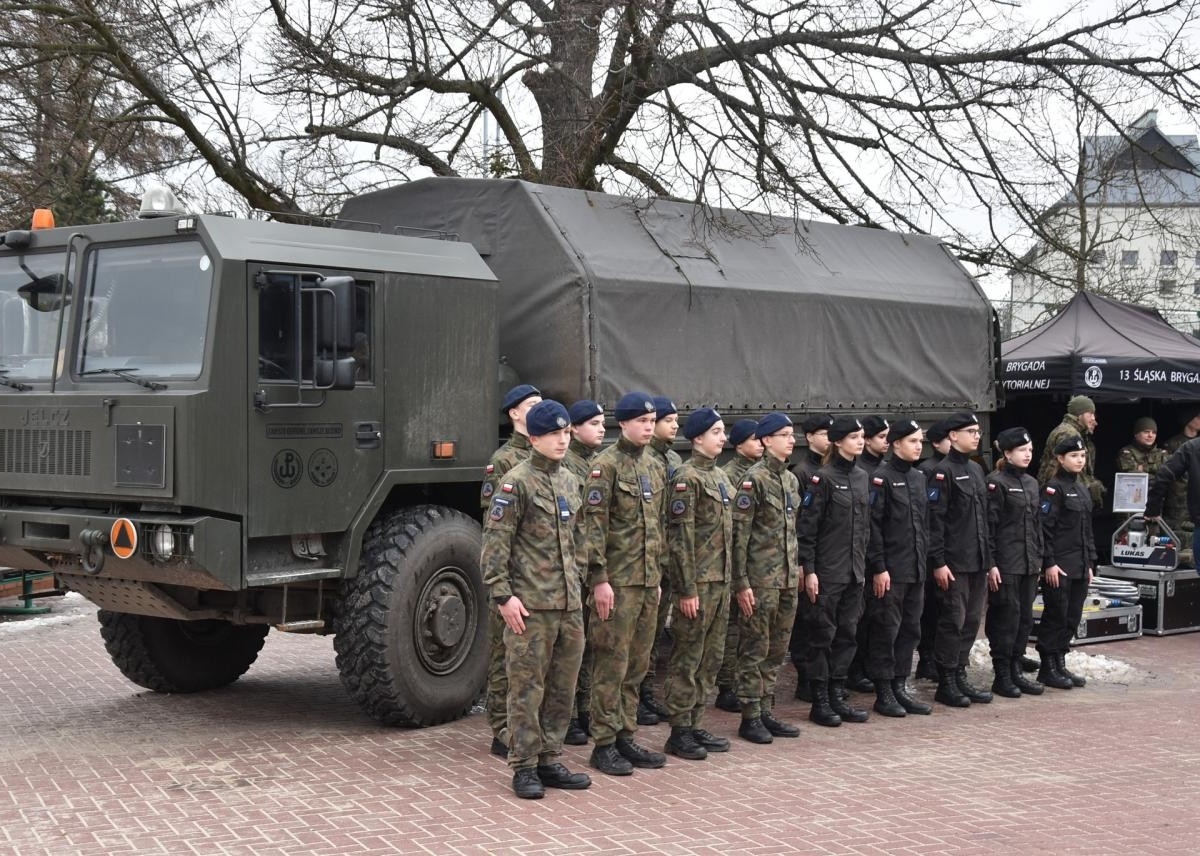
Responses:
[929,620]
[798,644]
[1009,612]
[1063,607]
[895,629]
[961,608]
[862,638]
[832,624]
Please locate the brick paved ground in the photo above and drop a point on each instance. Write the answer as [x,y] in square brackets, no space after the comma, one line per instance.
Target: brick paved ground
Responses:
[282,763]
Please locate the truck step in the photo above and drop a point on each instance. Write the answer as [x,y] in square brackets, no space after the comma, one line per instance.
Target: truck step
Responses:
[312,626]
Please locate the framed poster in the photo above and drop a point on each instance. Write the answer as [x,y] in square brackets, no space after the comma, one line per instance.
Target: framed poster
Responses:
[1130,491]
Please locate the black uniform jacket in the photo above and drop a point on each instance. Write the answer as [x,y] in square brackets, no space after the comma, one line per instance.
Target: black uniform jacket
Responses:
[834,525]
[1013,521]
[1067,526]
[958,536]
[1185,462]
[899,531]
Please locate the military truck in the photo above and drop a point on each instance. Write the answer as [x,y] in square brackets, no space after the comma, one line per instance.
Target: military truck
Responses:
[212,426]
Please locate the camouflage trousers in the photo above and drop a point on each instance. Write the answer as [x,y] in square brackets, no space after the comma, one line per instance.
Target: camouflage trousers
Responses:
[621,647]
[727,674]
[541,665]
[583,686]
[761,648]
[497,679]
[660,623]
[698,646]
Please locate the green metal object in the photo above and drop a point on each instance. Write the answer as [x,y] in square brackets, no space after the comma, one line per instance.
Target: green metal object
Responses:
[27,596]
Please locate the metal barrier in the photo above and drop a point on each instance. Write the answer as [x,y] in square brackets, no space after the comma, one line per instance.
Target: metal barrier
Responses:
[27,595]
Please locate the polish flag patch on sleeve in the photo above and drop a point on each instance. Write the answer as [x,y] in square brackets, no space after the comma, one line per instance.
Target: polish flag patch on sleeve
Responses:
[747,485]
[596,473]
[507,488]
[816,479]
[940,476]
[991,485]
[680,486]
[876,480]
[1050,491]
[489,469]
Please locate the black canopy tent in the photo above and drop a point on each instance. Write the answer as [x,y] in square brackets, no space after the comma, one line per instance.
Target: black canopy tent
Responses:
[1105,349]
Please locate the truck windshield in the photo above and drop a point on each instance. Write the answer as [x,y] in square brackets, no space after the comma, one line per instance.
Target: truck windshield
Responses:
[29,288]
[145,309]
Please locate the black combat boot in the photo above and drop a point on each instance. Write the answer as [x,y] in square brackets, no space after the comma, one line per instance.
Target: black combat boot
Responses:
[710,741]
[1051,676]
[558,776]
[645,716]
[927,669]
[527,785]
[974,693]
[498,748]
[777,728]
[839,701]
[822,712]
[1028,664]
[886,701]
[608,760]
[910,704]
[948,692]
[682,743]
[639,755]
[1061,663]
[575,735]
[754,731]
[585,722]
[727,700]
[652,704]
[858,681]
[1002,684]
[1024,684]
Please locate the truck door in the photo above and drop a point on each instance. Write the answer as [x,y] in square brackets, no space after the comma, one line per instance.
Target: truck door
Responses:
[316,444]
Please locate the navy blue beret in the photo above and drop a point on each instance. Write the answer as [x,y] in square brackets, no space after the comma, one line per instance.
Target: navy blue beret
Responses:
[742,431]
[582,411]
[632,405]
[546,417]
[663,407]
[518,394]
[772,422]
[700,421]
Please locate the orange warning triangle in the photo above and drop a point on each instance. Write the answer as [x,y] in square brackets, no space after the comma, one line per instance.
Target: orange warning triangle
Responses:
[123,537]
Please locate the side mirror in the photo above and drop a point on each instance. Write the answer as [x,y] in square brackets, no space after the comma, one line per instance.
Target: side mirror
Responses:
[335,317]
[44,293]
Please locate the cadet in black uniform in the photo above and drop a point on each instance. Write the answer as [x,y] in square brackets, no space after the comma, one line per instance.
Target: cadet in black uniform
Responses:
[926,668]
[896,571]
[832,545]
[875,446]
[960,559]
[1068,561]
[1017,546]
[816,435]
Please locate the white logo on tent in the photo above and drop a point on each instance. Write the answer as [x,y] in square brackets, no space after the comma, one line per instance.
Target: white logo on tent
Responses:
[1093,377]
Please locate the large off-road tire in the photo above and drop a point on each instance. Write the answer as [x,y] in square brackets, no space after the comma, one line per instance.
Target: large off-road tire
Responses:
[411,634]
[171,656]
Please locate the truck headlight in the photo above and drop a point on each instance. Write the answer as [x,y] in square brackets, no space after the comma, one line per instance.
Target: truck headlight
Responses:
[163,542]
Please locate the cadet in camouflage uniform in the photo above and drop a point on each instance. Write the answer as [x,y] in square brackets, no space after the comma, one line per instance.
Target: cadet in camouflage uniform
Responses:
[529,563]
[1175,510]
[624,520]
[1142,456]
[666,425]
[766,577]
[1080,419]
[747,451]
[517,403]
[587,435]
[700,539]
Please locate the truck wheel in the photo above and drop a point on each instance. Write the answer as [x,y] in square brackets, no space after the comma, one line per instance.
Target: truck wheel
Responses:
[411,638]
[172,656]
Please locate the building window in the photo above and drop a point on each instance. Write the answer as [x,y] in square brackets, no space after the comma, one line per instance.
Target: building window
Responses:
[1167,286]
[1129,258]
[1096,257]
[1168,258]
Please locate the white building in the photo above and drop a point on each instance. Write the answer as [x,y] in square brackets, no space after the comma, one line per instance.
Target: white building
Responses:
[1128,229]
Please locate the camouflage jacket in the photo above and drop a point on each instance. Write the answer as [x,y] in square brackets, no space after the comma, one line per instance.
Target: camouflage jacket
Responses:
[624,517]
[517,449]
[662,452]
[579,459]
[530,546]
[736,467]
[1136,458]
[700,528]
[1049,465]
[764,528]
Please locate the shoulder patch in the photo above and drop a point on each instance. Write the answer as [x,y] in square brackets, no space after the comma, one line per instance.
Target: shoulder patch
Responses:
[939,476]
[934,494]
[595,496]
[680,486]
[678,507]
[1045,506]
[743,501]
[747,485]
[815,479]
[876,480]
[507,487]
[1050,491]
[596,473]
[489,469]
[807,501]
[499,508]
[488,489]
[991,485]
